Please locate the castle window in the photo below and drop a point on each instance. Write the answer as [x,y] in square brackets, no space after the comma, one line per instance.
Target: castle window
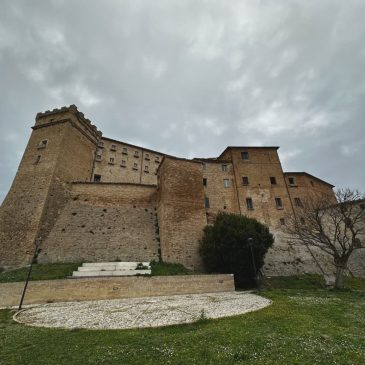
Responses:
[136,154]
[245,155]
[291,181]
[298,202]
[157,159]
[245,180]
[205,182]
[125,151]
[37,160]
[249,203]
[146,168]
[282,221]
[206,202]
[42,144]
[135,166]
[312,183]
[278,203]
[113,147]
[226,183]
[97,178]
[147,156]
[101,144]
[98,157]
[224,167]
[111,161]
[122,163]
[273,180]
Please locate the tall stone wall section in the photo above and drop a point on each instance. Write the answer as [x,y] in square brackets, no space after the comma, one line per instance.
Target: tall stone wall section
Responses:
[104,222]
[181,211]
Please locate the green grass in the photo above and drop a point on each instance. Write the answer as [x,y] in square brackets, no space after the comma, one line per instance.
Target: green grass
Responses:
[164,268]
[39,272]
[306,324]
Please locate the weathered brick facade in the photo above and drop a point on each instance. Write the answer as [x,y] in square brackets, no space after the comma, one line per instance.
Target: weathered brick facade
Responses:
[91,198]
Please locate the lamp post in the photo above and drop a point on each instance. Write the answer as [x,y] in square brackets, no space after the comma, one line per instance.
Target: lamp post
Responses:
[37,243]
[250,243]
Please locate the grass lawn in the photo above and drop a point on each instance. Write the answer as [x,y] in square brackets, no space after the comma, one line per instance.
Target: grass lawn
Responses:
[307,324]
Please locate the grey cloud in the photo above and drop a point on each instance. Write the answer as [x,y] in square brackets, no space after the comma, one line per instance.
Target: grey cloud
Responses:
[189,78]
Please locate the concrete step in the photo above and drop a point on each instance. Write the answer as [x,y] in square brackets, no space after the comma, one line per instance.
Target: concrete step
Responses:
[119,264]
[110,273]
[109,268]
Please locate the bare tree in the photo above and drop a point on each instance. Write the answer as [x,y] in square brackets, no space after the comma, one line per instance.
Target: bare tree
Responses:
[337,229]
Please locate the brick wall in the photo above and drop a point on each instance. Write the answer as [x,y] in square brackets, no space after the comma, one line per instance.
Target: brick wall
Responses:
[104,222]
[113,288]
[181,211]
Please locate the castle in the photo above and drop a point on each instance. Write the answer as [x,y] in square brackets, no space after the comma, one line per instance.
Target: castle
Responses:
[92,198]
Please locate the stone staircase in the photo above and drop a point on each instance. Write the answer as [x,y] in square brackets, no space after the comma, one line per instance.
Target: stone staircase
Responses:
[97,269]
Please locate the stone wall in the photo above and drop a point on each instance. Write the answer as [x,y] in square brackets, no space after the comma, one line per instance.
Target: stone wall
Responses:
[181,211]
[104,222]
[122,162]
[113,288]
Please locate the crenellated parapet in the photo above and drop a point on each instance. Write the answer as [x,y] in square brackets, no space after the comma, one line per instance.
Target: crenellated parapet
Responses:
[69,114]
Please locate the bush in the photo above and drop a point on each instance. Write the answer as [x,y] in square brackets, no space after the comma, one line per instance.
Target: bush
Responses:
[225,248]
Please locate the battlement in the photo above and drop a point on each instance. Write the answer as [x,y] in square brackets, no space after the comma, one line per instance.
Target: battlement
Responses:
[66,114]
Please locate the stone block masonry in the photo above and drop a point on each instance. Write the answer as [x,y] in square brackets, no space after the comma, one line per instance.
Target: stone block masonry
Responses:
[113,288]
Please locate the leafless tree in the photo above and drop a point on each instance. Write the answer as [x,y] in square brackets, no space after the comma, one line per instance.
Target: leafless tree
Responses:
[337,229]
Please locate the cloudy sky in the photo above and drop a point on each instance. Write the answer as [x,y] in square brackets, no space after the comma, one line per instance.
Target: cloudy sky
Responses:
[190,77]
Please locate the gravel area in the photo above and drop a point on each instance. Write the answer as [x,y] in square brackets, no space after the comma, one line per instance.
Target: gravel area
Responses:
[141,312]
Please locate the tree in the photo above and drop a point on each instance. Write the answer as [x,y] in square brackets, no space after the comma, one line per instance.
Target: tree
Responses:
[225,247]
[336,229]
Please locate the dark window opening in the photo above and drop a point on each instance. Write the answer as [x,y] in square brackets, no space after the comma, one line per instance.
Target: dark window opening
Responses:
[282,221]
[224,167]
[205,181]
[302,220]
[298,202]
[37,160]
[291,181]
[249,203]
[245,180]
[245,155]
[206,202]
[278,203]
[97,178]
[273,180]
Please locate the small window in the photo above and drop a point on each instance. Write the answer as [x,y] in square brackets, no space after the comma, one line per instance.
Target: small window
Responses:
[302,220]
[101,144]
[245,180]
[113,147]
[273,180]
[37,160]
[135,166]
[136,153]
[312,183]
[282,221]
[111,161]
[42,144]
[123,164]
[292,181]
[157,159]
[249,203]
[226,183]
[97,178]
[98,157]
[146,168]
[245,155]
[206,202]
[147,156]
[125,151]
[278,203]
[298,202]
[224,167]
[205,182]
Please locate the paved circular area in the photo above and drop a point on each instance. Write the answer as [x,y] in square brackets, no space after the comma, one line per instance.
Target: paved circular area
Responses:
[141,312]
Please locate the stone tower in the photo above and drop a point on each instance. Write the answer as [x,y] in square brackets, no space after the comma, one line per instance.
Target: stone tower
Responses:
[61,149]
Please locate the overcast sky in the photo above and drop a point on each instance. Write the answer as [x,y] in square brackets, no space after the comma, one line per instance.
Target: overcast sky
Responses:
[190,77]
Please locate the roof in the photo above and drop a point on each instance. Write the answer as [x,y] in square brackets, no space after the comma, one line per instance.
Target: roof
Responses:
[309,175]
[248,147]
